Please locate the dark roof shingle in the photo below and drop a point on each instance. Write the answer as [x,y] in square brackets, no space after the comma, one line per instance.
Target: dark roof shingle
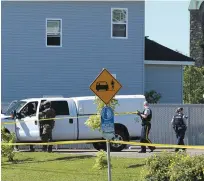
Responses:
[156,51]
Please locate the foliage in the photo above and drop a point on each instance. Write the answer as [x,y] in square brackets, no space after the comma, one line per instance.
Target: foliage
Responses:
[193,85]
[174,167]
[100,161]
[94,121]
[152,97]
[7,150]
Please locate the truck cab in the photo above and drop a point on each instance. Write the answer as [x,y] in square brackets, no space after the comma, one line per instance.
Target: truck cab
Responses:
[27,123]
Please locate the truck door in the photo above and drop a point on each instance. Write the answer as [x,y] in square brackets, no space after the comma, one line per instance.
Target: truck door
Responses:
[27,128]
[65,126]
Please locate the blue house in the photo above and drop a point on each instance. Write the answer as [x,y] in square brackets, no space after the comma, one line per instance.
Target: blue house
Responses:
[59,47]
[164,71]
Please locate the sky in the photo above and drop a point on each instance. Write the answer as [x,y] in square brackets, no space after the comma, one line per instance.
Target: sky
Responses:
[168,22]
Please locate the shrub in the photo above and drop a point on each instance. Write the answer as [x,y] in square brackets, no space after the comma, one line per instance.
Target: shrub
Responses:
[152,97]
[100,161]
[7,150]
[174,167]
[187,169]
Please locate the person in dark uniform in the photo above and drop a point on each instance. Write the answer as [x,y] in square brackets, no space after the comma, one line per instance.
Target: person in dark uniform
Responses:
[146,117]
[180,126]
[47,125]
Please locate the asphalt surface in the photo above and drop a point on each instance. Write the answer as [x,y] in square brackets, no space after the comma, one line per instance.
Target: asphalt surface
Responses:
[127,153]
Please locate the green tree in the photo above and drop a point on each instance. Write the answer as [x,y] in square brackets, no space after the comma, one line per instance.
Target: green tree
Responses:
[193,85]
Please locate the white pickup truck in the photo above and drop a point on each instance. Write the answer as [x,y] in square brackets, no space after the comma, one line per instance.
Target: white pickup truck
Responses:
[71,126]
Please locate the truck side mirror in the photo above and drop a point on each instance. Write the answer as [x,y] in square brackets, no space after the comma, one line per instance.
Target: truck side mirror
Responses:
[18,115]
[13,114]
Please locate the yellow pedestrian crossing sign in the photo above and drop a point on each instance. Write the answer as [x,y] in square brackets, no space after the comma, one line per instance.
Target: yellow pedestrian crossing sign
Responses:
[105,86]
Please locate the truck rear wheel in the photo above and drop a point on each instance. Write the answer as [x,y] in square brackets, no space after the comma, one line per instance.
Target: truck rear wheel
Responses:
[120,135]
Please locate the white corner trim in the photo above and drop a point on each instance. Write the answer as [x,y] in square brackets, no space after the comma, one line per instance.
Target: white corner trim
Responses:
[195,4]
[153,62]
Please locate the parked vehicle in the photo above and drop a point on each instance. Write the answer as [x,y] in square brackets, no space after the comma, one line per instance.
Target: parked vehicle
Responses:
[71,126]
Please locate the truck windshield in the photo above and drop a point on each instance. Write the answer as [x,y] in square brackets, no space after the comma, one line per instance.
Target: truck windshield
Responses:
[17,106]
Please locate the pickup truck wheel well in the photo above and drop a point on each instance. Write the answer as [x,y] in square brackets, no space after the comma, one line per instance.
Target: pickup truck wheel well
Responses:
[122,128]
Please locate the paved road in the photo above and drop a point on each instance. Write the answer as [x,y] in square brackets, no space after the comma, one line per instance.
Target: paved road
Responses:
[125,153]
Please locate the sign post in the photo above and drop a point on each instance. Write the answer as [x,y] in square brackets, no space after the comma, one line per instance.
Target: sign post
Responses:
[105,86]
[108,132]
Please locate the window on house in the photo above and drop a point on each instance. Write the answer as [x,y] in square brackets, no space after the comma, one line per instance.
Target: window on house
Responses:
[54,32]
[119,25]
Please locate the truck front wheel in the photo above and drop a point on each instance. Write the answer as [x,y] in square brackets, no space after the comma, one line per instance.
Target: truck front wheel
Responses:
[99,146]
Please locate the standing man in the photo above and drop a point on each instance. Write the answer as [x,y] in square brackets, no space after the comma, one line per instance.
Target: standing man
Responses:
[47,125]
[179,125]
[146,117]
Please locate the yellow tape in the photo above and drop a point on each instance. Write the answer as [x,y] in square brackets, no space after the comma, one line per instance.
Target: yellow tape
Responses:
[119,142]
[69,117]
[159,145]
[57,143]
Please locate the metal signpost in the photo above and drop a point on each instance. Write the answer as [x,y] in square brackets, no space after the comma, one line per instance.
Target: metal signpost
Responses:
[105,86]
[108,131]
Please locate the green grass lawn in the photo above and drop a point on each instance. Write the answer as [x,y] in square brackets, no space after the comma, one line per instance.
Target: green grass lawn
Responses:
[40,166]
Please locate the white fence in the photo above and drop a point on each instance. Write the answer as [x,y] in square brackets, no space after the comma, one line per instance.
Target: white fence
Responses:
[161,131]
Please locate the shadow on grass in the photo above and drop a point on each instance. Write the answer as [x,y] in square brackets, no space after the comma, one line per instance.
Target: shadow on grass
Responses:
[73,157]
[93,172]
[55,171]
[31,160]
[136,165]
[17,161]
[74,151]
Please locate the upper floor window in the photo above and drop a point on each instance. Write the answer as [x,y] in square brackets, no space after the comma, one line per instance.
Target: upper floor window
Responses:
[54,32]
[119,24]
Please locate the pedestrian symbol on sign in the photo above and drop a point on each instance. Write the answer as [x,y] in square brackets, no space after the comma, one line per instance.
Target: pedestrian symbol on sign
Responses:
[112,84]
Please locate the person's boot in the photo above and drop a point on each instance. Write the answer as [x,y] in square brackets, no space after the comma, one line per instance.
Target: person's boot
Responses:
[152,149]
[49,150]
[44,148]
[32,149]
[143,149]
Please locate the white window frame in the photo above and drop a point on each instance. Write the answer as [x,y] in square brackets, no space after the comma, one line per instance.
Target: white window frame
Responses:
[58,19]
[113,37]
